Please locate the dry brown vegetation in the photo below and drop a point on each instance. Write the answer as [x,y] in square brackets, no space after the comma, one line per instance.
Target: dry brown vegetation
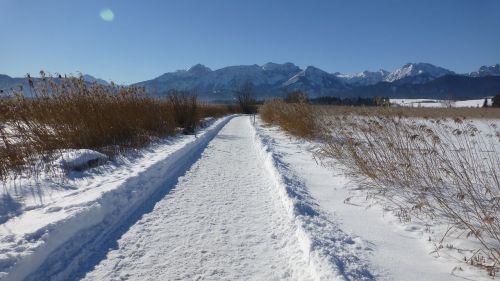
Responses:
[433,164]
[67,113]
[423,112]
[297,118]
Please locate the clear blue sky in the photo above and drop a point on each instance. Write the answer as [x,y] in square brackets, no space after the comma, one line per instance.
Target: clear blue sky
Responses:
[148,38]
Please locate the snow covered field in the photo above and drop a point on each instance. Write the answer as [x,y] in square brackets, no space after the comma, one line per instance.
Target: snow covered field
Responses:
[397,250]
[239,202]
[439,103]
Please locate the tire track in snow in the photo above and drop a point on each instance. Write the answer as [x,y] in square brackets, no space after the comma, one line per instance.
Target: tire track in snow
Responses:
[64,257]
[224,220]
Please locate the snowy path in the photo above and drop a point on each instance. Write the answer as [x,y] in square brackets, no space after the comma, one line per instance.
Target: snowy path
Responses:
[236,203]
[223,220]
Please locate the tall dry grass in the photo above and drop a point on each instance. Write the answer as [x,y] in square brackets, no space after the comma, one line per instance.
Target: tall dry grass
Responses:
[68,113]
[409,112]
[298,118]
[445,170]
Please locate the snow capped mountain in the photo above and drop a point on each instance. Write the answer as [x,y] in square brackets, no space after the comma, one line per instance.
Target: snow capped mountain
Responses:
[311,74]
[417,73]
[284,68]
[7,82]
[315,82]
[223,82]
[232,77]
[363,78]
[199,69]
[91,79]
[484,70]
[413,73]
[275,79]
[278,73]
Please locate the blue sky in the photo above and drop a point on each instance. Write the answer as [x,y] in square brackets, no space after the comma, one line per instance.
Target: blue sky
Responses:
[148,38]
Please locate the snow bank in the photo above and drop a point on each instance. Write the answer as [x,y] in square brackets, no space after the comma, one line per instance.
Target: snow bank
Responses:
[52,242]
[205,122]
[80,159]
[333,254]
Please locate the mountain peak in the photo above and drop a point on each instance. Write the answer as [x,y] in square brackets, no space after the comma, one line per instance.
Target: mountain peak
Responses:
[285,67]
[91,79]
[199,68]
[493,70]
[363,78]
[417,69]
[314,70]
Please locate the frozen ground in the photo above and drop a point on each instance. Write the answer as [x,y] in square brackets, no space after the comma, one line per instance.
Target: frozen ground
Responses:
[439,103]
[222,221]
[237,203]
[398,251]
[64,214]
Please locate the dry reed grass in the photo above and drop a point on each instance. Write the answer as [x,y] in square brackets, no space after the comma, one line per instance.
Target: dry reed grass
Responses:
[439,169]
[423,112]
[67,113]
[297,118]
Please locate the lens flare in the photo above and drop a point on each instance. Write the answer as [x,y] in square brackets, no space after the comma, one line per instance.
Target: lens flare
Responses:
[107,15]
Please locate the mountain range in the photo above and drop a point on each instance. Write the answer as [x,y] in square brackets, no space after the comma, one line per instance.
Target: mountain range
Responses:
[7,82]
[412,80]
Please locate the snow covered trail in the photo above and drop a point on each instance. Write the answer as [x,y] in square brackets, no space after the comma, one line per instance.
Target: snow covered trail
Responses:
[224,220]
[80,226]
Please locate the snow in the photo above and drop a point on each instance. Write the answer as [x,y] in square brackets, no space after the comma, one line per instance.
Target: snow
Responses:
[493,70]
[420,72]
[228,78]
[80,159]
[439,103]
[284,68]
[199,69]
[415,69]
[236,202]
[223,220]
[417,72]
[317,75]
[92,79]
[392,250]
[64,220]
[315,82]
[364,78]
[333,253]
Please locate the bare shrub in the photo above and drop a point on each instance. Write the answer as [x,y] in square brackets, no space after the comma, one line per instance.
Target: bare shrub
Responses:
[185,110]
[246,99]
[496,101]
[296,97]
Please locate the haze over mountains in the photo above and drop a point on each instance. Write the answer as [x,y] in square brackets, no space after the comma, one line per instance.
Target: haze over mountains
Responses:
[412,80]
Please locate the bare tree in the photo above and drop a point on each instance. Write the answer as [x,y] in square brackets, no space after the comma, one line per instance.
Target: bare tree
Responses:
[245,98]
[495,101]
